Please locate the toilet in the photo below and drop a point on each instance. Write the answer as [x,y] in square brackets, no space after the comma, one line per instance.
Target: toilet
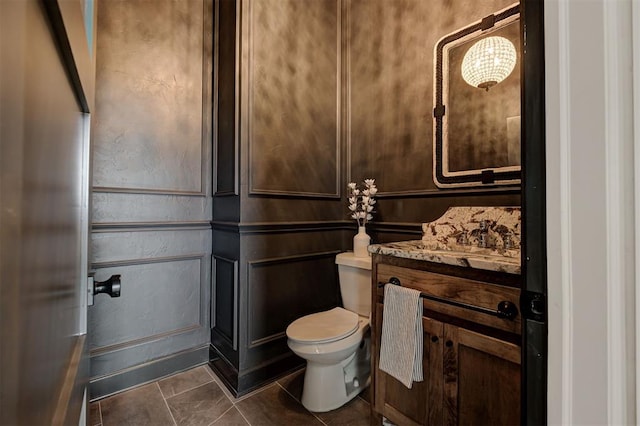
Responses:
[336,343]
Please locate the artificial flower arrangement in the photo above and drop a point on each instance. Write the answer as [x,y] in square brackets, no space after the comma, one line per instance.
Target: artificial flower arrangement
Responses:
[361,202]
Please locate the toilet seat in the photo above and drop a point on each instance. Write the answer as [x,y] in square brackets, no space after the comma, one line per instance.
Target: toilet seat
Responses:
[323,327]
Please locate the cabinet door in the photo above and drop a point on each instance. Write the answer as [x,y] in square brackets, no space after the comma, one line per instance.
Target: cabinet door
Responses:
[481,379]
[422,404]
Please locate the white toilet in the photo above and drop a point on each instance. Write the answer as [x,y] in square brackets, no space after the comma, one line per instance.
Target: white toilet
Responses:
[336,342]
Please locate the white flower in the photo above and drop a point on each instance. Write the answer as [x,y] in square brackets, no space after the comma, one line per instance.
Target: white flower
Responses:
[361,201]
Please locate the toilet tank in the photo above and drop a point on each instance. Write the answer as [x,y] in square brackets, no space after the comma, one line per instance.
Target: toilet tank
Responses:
[354,274]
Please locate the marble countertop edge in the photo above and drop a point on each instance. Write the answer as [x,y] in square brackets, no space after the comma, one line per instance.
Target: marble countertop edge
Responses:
[414,249]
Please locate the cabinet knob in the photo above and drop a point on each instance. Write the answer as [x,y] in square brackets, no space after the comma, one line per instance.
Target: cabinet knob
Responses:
[449,343]
[507,310]
[434,339]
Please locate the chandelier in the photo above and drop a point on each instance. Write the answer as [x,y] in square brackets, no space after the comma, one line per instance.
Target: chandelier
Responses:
[488,62]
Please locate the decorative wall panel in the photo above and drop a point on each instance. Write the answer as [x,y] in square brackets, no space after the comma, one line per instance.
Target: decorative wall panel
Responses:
[294,97]
[111,245]
[224,315]
[149,208]
[225,99]
[149,133]
[281,290]
[159,297]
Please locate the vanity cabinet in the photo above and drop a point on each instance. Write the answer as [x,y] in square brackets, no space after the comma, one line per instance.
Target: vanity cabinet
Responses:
[471,358]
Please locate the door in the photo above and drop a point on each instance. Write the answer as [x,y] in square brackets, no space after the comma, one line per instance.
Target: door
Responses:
[47,96]
[534,241]
[151,205]
[413,406]
[481,379]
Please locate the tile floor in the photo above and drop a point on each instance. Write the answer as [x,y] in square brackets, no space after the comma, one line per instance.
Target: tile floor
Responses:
[197,397]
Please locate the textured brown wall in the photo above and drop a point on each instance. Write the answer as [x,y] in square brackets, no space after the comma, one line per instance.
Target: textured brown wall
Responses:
[149,127]
[390,49]
[294,78]
[390,102]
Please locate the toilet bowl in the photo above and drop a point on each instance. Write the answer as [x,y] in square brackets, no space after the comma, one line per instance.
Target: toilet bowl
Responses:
[336,343]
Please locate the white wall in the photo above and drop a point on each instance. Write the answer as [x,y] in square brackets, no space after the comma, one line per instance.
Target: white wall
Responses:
[590,214]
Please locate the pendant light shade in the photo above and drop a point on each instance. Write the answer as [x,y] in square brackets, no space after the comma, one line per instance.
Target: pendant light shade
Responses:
[488,62]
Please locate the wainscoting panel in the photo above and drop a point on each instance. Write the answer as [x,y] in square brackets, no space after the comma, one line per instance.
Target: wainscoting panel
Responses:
[226,287]
[294,98]
[158,299]
[286,270]
[224,315]
[164,302]
[111,245]
[113,208]
[281,290]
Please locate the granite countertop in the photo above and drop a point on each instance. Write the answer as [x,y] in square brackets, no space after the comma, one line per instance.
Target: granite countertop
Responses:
[454,239]
[480,259]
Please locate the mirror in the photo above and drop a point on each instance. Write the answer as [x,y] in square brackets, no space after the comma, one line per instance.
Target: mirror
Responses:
[477,129]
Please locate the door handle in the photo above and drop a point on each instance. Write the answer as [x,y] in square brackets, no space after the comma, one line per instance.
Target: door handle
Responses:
[111,287]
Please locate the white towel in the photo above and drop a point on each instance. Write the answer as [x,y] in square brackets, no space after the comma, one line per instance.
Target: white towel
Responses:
[401,345]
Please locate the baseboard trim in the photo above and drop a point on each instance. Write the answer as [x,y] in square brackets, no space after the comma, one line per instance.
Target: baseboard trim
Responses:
[224,370]
[242,383]
[148,372]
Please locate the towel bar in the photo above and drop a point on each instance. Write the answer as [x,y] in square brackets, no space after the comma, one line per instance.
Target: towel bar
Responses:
[505,309]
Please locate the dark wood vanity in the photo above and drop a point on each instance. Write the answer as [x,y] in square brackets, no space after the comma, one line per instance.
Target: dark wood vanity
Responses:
[472,350]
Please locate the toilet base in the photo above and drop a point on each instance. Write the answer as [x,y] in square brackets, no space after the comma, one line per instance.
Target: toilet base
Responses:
[327,387]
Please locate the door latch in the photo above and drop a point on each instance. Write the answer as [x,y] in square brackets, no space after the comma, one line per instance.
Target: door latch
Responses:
[110,287]
[533,305]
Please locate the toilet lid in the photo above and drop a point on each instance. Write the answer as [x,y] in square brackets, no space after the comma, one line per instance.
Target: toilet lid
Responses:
[323,327]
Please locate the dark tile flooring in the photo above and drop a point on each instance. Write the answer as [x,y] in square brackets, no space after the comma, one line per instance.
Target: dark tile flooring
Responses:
[197,397]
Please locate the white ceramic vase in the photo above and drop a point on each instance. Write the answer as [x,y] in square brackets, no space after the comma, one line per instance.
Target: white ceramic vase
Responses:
[360,243]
